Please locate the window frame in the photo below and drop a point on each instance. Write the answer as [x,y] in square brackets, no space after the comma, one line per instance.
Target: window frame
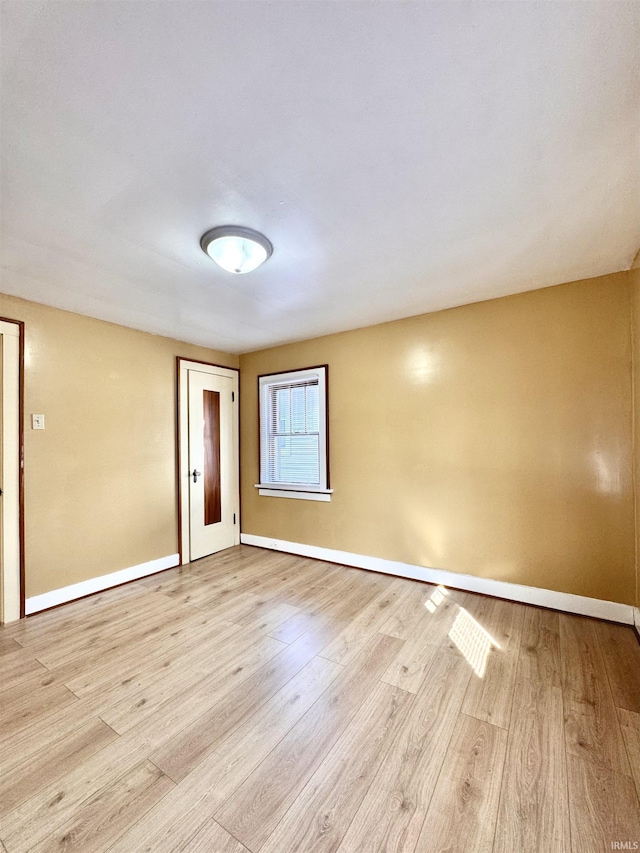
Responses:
[303,491]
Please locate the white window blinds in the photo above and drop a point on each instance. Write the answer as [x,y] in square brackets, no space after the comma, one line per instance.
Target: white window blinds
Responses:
[293,429]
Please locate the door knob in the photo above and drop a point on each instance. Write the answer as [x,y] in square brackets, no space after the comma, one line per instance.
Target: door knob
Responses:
[196,474]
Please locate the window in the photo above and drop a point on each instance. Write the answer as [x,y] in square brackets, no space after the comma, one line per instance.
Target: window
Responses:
[293,434]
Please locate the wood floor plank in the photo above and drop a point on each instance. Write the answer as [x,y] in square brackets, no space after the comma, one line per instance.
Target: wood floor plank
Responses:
[8,645]
[592,730]
[493,645]
[239,606]
[19,712]
[391,815]
[298,581]
[44,731]
[298,573]
[46,766]
[293,628]
[225,596]
[228,576]
[365,625]
[219,774]
[365,586]
[321,814]
[197,590]
[182,577]
[267,615]
[324,589]
[45,631]
[243,560]
[109,813]
[25,681]
[172,824]
[49,808]
[199,738]
[211,838]
[16,664]
[156,615]
[463,810]
[157,581]
[39,816]
[254,727]
[149,675]
[533,812]
[241,754]
[261,732]
[621,654]
[603,806]
[630,725]
[119,665]
[59,620]
[294,588]
[165,626]
[246,559]
[540,646]
[401,622]
[409,668]
[346,601]
[239,660]
[253,811]
[173,717]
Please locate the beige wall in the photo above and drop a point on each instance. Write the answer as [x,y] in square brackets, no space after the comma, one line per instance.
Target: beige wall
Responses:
[492,439]
[100,480]
[634,281]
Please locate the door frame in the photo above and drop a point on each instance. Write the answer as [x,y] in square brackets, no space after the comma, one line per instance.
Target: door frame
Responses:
[183,366]
[12,581]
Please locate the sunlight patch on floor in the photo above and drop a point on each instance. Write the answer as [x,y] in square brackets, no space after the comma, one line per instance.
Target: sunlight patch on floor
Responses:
[436,598]
[472,641]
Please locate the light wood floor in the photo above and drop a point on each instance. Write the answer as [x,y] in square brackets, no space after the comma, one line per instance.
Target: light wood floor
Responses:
[263,702]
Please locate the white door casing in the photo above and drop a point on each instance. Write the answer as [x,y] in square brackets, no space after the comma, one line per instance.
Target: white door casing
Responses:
[208,429]
[10,473]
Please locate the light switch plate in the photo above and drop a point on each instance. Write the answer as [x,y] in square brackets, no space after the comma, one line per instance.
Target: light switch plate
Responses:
[37,421]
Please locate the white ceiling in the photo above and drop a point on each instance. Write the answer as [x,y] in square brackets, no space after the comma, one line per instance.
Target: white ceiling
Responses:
[402,157]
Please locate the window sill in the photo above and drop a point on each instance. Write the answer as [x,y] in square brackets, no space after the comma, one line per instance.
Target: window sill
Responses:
[293,492]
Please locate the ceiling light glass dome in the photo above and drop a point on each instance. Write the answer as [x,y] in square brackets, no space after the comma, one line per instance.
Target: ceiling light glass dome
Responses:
[236,249]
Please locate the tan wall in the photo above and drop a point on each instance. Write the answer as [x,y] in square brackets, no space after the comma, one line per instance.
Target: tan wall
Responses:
[492,439]
[634,277]
[100,480]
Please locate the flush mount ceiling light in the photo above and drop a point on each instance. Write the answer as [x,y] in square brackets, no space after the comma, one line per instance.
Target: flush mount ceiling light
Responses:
[236,249]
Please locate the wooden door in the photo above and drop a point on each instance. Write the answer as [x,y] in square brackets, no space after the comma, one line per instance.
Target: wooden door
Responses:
[213,475]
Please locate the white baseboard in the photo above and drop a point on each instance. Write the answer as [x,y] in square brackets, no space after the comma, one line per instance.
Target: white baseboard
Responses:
[580,604]
[78,590]
[636,618]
